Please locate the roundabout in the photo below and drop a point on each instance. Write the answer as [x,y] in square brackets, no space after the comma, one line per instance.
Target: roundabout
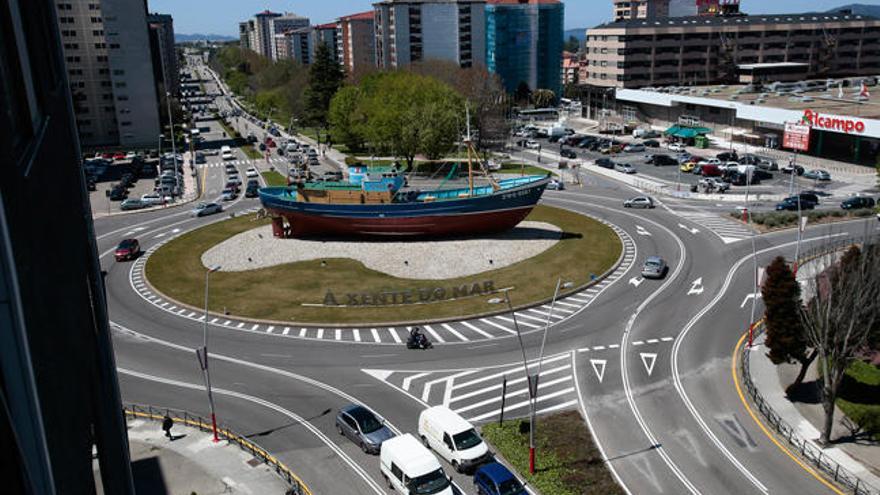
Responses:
[290,286]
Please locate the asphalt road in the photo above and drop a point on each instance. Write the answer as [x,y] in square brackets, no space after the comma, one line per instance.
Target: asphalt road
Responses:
[647,361]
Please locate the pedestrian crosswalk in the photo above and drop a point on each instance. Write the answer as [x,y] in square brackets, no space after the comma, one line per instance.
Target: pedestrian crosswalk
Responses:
[727,229]
[468,331]
[476,393]
[223,164]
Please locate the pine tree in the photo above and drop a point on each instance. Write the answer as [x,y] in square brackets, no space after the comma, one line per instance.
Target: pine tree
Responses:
[325,78]
[786,339]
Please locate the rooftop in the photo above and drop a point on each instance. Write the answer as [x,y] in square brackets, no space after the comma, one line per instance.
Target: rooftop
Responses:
[359,16]
[825,101]
[329,25]
[740,20]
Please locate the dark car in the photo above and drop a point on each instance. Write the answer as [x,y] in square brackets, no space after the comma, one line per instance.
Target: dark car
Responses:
[791,204]
[128,249]
[605,163]
[118,193]
[495,479]
[652,143]
[362,427]
[727,156]
[567,153]
[252,192]
[740,179]
[663,160]
[857,202]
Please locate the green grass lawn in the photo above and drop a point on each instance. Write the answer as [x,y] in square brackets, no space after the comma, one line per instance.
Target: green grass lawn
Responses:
[273,178]
[517,168]
[859,396]
[567,461]
[252,153]
[277,293]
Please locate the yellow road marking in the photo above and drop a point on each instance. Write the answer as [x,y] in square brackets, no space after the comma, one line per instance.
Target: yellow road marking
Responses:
[763,428]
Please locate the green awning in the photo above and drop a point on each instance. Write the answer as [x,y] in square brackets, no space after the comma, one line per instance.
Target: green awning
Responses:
[672,130]
[688,132]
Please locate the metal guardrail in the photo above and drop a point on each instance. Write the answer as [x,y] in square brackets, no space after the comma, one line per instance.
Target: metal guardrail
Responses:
[297,485]
[809,452]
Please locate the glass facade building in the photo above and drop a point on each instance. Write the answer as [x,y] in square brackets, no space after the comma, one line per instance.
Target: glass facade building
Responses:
[524,40]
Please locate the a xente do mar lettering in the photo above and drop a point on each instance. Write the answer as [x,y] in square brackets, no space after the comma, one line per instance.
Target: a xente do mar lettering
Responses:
[409,296]
[834,123]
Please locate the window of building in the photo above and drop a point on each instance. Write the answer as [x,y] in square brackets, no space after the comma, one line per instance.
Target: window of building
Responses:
[114,46]
[65,20]
[118,72]
[100,45]
[94,6]
[72,59]
[68,33]
[96,20]
[71,46]
[120,84]
[122,98]
[102,58]
[98,32]
[65,6]
[125,123]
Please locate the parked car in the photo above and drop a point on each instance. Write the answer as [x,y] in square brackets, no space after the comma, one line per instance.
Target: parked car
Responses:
[687,167]
[362,427]
[605,163]
[532,145]
[738,178]
[235,179]
[817,174]
[251,172]
[203,209]
[625,168]
[663,160]
[252,191]
[152,199]
[610,148]
[568,153]
[857,203]
[634,148]
[128,249]
[791,204]
[200,157]
[132,204]
[709,170]
[229,194]
[639,202]
[495,479]
[652,143]
[728,156]
[118,193]
[118,157]
[796,168]
[654,267]
[556,185]
[714,184]
[675,147]
[809,196]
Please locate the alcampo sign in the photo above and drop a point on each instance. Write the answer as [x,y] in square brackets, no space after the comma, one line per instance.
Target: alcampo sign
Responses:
[408,296]
[818,121]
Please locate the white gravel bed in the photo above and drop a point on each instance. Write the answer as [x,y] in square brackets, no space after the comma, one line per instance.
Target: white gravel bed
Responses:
[426,260]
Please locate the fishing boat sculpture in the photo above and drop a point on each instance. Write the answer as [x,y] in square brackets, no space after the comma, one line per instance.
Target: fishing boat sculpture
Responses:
[374,204]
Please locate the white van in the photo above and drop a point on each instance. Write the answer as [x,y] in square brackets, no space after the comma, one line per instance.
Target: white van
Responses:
[226,153]
[411,469]
[453,438]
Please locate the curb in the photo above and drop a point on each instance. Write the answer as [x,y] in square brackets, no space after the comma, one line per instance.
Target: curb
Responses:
[529,305]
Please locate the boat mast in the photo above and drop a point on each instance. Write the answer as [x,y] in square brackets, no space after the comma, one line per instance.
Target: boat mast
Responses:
[467,142]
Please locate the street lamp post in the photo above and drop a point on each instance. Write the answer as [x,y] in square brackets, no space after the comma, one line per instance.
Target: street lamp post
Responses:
[202,355]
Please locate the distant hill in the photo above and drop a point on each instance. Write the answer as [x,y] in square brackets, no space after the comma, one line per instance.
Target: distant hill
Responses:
[577,33]
[860,9]
[182,37]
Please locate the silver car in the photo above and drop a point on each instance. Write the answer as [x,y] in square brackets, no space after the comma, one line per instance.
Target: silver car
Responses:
[625,168]
[639,202]
[362,427]
[654,267]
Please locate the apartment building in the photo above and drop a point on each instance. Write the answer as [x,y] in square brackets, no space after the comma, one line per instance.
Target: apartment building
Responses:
[356,46]
[702,50]
[410,31]
[524,41]
[570,68]
[641,9]
[283,24]
[110,70]
[295,44]
[263,34]
[165,57]
[245,34]
[327,34]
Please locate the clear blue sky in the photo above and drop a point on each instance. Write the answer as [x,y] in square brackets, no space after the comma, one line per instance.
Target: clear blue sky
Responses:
[222,16]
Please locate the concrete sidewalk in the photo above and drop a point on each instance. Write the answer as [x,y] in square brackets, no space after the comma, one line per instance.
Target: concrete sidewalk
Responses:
[193,463]
[857,453]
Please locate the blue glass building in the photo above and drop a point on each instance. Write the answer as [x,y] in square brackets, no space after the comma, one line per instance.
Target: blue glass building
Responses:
[524,40]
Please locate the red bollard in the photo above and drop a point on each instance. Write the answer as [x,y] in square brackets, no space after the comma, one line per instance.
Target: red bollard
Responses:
[531,460]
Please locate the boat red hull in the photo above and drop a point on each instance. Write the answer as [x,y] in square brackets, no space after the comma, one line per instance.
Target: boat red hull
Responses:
[306,225]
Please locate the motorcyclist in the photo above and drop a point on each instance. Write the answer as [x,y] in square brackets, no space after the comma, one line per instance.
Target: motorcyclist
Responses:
[418,338]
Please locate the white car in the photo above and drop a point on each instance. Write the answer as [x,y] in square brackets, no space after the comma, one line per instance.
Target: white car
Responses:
[532,145]
[252,172]
[131,155]
[234,178]
[676,147]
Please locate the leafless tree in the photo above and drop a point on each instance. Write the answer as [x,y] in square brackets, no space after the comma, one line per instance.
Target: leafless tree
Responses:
[839,317]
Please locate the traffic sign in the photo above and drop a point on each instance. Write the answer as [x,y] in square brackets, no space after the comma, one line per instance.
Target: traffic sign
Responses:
[797,137]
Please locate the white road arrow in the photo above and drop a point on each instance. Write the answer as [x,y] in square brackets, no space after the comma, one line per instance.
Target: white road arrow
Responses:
[696,287]
[599,368]
[691,230]
[637,281]
[648,359]
[641,231]
[748,298]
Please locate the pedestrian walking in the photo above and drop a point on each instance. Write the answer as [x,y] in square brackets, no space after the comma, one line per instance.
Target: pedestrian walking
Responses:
[167,423]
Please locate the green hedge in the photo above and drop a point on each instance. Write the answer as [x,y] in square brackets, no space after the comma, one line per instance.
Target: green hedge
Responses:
[778,219]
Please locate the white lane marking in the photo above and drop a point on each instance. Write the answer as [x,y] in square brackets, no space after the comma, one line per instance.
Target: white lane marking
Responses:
[478,330]
[302,332]
[599,368]
[434,333]
[240,325]
[508,371]
[496,325]
[545,314]
[515,381]
[270,329]
[648,359]
[568,304]
[455,332]
[510,393]
[255,327]
[636,281]
[557,407]
[338,333]
[696,287]
[689,229]
[667,339]
[375,335]
[394,335]
[522,404]
[320,333]
[286,331]
[750,297]
[408,380]
[269,405]
[641,231]
[357,335]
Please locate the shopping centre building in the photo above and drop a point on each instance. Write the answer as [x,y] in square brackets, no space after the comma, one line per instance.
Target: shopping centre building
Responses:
[844,121]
